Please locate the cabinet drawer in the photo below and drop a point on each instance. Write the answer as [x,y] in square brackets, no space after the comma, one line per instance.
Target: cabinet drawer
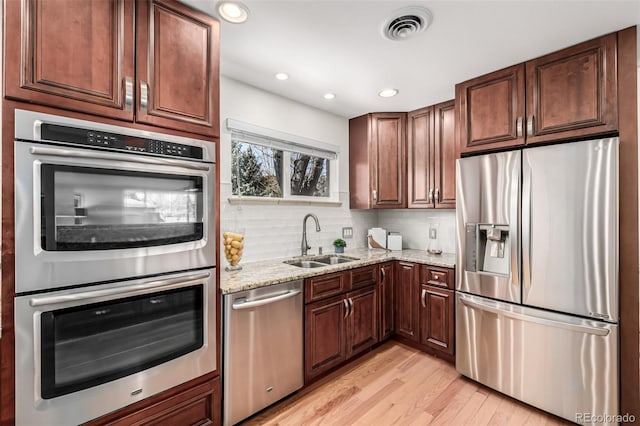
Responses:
[365,276]
[436,276]
[324,286]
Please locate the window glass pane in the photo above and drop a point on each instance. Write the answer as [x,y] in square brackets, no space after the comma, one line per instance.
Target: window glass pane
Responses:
[255,170]
[309,175]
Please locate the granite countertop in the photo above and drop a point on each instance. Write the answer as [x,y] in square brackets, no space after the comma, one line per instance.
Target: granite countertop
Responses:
[274,271]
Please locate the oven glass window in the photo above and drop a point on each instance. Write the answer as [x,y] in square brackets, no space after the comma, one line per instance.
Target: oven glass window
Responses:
[93,344]
[98,209]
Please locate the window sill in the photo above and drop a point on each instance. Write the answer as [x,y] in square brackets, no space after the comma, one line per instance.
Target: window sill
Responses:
[282,201]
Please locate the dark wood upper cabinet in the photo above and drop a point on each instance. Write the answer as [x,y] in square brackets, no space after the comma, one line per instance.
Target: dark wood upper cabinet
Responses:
[490,110]
[377,160]
[431,157]
[573,92]
[71,54]
[568,94]
[420,158]
[445,156]
[177,67]
[90,56]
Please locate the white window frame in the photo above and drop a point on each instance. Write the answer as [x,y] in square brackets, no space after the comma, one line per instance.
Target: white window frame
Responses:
[288,143]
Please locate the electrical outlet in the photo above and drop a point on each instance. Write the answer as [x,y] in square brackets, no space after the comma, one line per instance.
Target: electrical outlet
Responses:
[433,233]
[347,232]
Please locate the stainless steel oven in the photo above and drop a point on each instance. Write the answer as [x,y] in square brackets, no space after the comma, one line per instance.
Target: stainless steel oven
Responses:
[87,351]
[96,203]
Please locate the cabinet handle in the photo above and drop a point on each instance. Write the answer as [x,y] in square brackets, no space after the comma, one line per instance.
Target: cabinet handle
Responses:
[346,308]
[350,306]
[430,198]
[375,195]
[423,298]
[519,127]
[144,94]
[530,125]
[437,200]
[128,93]
[383,275]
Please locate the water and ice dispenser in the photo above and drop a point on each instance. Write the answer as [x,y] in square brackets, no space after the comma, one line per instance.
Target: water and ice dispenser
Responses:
[487,248]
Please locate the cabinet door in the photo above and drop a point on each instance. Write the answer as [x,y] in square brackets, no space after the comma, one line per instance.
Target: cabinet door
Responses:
[387,300]
[177,67]
[573,92]
[407,300]
[420,158]
[71,54]
[436,318]
[324,337]
[362,320]
[490,110]
[445,156]
[388,163]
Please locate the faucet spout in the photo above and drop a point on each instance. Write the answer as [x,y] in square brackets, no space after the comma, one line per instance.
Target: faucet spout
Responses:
[304,246]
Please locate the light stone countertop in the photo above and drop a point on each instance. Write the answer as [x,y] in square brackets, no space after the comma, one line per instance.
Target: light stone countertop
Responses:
[274,271]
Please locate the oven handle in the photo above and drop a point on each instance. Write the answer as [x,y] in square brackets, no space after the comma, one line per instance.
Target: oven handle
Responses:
[57,152]
[121,292]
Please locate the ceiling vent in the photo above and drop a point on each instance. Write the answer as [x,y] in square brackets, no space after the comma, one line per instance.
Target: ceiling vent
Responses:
[406,23]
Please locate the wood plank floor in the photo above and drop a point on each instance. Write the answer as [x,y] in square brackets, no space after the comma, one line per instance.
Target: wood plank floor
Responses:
[399,385]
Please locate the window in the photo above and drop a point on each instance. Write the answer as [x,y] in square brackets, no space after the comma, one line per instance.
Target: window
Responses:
[272,164]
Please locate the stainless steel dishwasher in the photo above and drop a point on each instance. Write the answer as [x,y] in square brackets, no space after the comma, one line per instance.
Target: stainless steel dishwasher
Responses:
[263,348]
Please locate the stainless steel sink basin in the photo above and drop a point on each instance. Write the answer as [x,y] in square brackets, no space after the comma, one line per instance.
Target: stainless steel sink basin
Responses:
[334,260]
[319,261]
[305,264]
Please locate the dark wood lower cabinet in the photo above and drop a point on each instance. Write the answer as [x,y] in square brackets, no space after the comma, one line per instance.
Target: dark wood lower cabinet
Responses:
[193,403]
[386,298]
[437,318]
[340,327]
[324,335]
[406,306]
[362,320]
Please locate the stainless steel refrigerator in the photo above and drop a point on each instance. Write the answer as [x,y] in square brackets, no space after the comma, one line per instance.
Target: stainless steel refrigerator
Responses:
[537,278]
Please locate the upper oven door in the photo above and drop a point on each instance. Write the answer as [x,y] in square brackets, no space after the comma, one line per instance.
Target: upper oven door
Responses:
[86,215]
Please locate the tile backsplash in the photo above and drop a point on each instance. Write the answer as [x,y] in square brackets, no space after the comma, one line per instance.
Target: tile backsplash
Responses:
[414,227]
[273,231]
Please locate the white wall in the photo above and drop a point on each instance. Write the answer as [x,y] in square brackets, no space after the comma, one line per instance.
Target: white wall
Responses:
[276,230]
[414,226]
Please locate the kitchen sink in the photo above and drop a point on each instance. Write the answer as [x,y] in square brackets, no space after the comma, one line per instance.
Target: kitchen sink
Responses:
[319,261]
[305,263]
[334,260]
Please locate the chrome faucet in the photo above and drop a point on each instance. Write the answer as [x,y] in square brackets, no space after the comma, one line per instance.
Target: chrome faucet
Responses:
[305,246]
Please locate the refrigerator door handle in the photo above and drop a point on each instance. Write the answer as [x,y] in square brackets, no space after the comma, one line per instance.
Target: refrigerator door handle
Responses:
[526,225]
[513,227]
[537,320]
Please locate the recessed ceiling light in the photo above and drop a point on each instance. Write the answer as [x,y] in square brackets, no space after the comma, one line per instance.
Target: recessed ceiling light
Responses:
[329,96]
[282,76]
[233,11]
[387,93]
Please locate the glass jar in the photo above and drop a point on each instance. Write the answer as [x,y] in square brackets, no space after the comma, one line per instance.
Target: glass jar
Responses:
[233,244]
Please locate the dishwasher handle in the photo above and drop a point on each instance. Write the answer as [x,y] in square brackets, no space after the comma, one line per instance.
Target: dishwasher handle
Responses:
[255,303]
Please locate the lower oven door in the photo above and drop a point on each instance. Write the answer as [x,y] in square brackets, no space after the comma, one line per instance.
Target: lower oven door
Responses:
[86,352]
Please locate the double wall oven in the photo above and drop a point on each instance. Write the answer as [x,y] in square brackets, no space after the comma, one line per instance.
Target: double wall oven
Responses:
[115,266]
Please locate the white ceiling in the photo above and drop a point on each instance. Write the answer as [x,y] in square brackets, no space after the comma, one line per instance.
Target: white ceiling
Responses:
[337,46]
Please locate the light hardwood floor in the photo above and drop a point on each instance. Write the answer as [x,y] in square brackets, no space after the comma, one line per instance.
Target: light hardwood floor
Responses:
[398,385]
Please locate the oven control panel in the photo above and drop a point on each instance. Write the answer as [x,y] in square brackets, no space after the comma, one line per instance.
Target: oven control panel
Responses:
[74,135]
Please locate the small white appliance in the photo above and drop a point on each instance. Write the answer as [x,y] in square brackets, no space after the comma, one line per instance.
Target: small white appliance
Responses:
[379,235]
[394,241]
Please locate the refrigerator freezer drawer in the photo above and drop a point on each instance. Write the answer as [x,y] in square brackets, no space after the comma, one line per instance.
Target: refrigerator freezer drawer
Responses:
[263,348]
[558,363]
